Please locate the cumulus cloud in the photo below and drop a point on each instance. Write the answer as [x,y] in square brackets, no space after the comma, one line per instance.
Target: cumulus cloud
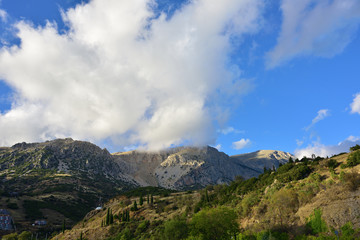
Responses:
[321,28]
[123,73]
[355,105]
[321,114]
[242,143]
[327,150]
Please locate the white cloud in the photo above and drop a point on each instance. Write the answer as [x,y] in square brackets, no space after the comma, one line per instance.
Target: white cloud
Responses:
[228,130]
[121,74]
[327,150]
[355,105]
[242,143]
[3,15]
[321,114]
[321,28]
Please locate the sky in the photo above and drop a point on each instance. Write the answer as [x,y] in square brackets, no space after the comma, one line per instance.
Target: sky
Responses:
[238,75]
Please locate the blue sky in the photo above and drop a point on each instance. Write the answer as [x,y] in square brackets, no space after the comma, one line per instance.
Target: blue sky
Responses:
[239,75]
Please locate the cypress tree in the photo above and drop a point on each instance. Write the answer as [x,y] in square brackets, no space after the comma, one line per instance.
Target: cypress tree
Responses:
[141,201]
[111,220]
[107,217]
[63,226]
[135,206]
[124,216]
[148,199]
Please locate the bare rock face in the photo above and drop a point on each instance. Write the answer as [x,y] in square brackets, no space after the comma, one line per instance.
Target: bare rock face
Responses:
[182,168]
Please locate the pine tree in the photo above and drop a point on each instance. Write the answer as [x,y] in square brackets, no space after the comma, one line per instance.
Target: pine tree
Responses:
[141,201]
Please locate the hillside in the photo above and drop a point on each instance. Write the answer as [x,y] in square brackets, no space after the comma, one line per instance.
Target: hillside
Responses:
[56,180]
[303,200]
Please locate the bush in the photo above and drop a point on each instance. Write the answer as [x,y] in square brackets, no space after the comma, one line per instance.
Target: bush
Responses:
[315,223]
[353,159]
[352,180]
[332,163]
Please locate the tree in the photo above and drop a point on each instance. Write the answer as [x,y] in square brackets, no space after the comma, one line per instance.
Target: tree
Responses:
[152,199]
[141,201]
[63,226]
[283,204]
[291,160]
[176,229]
[107,220]
[316,223]
[135,207]
[216,223]
[111,218]
[148,199]
[354,148]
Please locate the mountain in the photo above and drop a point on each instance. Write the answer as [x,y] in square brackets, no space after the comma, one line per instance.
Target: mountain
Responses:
[191,168]
[263,158]
[57,180]
[182,168]
[64,179]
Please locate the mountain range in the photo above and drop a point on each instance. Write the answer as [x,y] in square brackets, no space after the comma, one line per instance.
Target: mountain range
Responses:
[64,178]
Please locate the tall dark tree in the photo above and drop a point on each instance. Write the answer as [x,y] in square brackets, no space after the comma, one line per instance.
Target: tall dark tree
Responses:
[148,199]
[63,226]
[152,199]
[135,207]
[141,201]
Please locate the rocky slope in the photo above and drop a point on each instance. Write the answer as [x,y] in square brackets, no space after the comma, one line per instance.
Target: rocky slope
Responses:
[263,158]
[182,168]
[189,167]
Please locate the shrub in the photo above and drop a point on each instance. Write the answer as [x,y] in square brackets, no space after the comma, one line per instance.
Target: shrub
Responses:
[315,223]
[332,163]
[353,159]
[352,180]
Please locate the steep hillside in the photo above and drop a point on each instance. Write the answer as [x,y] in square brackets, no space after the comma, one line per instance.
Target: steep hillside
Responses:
[310,199]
